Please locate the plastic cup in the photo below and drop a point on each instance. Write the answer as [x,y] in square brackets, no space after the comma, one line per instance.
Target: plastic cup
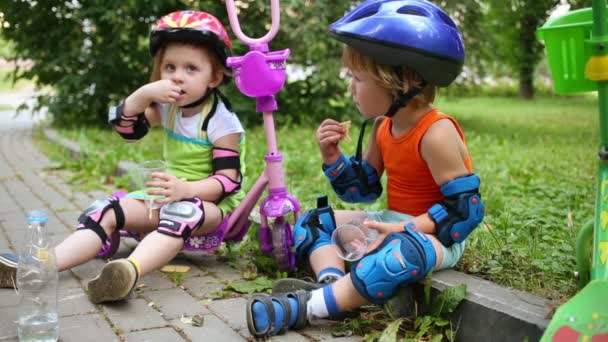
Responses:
[351,240]
[145,170]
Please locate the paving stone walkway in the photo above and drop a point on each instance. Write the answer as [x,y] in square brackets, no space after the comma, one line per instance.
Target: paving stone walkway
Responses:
[28,181]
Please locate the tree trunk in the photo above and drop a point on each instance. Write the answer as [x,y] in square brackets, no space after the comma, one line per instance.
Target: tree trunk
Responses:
[526,82]
[529,55]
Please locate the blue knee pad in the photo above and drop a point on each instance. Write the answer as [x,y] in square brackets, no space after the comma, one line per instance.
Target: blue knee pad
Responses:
[314,229]
[401,259]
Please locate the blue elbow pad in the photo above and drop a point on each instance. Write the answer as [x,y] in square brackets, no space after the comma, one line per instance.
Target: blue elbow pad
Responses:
[353,181]
[461,210]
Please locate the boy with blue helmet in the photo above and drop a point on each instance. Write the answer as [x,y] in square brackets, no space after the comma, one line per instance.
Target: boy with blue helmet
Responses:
[398,52]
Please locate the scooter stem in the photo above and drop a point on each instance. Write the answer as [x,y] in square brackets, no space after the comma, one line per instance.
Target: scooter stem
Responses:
[236,27]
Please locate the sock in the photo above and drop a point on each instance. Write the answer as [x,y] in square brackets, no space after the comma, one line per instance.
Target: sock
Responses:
[136,264]
[260,315]
[329,272]
[322,303]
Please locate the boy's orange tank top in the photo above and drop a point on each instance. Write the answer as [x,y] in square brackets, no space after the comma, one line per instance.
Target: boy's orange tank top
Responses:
[411,188]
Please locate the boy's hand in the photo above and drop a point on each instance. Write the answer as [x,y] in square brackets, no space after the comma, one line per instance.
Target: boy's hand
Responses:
[163,91]
[383,229]
[329,134]
[173,188]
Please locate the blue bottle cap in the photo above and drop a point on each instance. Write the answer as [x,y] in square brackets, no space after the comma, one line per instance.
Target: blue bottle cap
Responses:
[37,216]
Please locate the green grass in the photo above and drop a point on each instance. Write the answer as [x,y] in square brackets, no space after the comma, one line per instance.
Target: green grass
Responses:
[536,159]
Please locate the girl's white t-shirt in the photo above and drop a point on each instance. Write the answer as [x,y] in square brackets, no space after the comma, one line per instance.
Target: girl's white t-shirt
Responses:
[222,123]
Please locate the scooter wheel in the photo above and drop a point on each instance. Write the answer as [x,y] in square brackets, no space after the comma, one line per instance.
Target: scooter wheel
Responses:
[282,240]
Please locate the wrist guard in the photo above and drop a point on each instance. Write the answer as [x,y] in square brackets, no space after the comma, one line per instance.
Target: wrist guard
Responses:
[353,181]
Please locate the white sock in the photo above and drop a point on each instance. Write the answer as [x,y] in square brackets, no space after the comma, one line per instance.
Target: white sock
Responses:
[316,307]
[329,275]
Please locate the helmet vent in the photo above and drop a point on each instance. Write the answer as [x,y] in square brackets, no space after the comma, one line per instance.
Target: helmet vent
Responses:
[446,19]
[409,10]
[365,14]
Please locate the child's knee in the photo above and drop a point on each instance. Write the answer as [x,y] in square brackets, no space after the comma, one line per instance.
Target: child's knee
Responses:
[313,230]
[402,258]
[92,217]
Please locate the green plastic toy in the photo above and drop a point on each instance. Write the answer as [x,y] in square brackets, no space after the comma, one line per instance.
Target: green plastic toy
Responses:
[577,50]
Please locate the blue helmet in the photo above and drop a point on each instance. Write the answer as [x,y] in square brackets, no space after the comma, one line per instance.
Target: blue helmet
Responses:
[411,33]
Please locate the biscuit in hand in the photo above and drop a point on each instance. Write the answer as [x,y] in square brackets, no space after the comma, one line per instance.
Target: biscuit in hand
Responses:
[346,125]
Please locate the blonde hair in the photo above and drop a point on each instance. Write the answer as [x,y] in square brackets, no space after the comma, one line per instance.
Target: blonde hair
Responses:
[160,54]
[388,77]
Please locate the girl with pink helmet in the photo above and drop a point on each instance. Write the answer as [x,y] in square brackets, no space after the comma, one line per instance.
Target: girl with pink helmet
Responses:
[202,144]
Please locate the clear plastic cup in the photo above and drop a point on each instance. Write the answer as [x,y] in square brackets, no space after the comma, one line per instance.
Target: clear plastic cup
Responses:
[145,170]
[351,240]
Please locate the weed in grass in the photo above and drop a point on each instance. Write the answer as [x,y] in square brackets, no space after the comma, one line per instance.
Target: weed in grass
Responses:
[375,325]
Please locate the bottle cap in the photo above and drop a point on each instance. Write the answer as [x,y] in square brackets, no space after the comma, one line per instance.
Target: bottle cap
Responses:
[37,216]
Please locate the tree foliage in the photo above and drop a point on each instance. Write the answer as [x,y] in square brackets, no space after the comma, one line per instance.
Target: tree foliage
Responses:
[93,53]
[511,29]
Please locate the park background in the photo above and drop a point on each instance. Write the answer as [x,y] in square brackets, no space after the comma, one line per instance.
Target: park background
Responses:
[534,150]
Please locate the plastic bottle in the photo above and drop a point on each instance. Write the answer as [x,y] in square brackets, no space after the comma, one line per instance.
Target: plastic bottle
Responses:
[37,280]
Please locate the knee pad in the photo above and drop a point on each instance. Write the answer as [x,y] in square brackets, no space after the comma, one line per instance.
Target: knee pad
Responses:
[180,219]
[314,229]
[401,259]
[91,217]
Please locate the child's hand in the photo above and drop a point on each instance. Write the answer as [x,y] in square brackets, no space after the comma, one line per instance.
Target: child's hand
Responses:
[173,188]
[163,91]
[329,134]
[383,229]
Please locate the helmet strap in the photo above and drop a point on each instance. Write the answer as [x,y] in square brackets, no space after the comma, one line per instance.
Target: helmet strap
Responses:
[359,153]
[199,101]
[403,98]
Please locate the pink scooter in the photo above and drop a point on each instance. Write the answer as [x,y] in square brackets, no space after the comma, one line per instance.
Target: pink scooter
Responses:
[260,73]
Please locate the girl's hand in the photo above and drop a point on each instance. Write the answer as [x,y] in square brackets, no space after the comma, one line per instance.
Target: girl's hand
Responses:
[163,91]
[383,229]
[329,134]
[173,188]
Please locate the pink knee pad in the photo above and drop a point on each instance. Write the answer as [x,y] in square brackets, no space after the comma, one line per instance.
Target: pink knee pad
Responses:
[92,216]
[180,219]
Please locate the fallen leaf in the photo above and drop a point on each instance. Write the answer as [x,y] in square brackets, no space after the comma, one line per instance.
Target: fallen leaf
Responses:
[175,269]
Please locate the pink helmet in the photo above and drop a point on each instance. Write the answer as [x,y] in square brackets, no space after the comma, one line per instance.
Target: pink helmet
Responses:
[191,26]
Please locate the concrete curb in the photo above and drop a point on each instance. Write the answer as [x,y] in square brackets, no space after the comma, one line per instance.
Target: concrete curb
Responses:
[490,312]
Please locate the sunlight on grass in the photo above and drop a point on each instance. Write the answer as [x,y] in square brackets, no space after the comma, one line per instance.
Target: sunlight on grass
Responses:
[536,159]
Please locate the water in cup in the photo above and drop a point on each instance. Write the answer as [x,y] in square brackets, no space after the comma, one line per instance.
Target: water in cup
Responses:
[145,170]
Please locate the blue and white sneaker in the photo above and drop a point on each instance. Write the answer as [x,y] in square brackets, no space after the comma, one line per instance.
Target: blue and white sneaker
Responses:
[8,270]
